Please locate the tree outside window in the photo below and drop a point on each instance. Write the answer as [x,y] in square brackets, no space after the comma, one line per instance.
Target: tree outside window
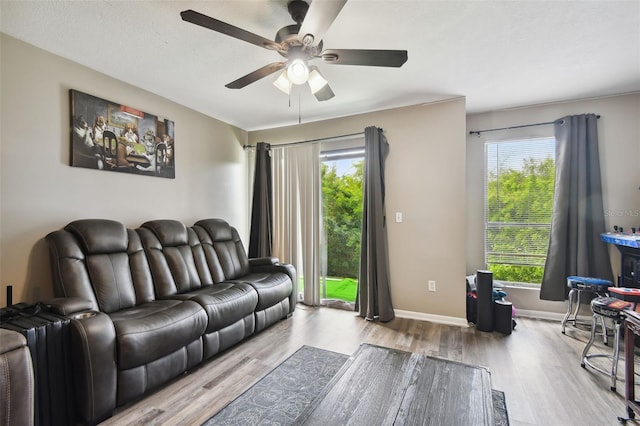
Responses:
[519,185]
[342,216]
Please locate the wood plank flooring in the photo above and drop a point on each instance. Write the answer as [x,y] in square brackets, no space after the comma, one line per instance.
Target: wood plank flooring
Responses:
[537,367]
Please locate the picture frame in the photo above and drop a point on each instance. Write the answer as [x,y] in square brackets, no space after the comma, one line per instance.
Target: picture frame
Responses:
[109,136]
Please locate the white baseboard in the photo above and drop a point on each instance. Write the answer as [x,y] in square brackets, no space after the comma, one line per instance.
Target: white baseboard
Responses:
[462,322]
[439,319]
[554,316]
[527,313]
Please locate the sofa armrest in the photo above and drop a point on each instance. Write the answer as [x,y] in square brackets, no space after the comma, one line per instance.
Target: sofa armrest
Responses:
[284,268]
[68,306]
[259,261]
[93,338]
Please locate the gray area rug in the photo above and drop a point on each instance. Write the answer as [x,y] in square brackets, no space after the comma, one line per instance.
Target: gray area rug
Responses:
[283,394]
[280,396]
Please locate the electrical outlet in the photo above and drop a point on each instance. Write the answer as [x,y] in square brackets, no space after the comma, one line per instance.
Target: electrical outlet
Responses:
[398,217]
[432,285]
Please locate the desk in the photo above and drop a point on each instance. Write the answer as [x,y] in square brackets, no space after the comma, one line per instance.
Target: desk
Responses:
[631,329]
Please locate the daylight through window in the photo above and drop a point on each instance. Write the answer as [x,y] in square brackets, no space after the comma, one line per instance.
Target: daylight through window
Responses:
[342,174]
[518,185]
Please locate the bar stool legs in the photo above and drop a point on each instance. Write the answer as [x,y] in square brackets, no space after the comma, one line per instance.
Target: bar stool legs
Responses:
[616,350]
[576,294]
[578,285]
[572,293]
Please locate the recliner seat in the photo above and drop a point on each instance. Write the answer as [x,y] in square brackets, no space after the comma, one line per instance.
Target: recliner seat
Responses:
[180,270]
[17,387]
[151,303]
[125,341]
[228,262]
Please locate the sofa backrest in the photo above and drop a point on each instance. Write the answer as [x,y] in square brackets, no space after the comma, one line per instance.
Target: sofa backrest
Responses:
[175,256]
[225,254]
[101,261]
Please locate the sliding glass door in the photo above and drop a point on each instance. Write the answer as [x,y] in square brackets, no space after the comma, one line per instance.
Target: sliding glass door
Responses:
[341,176]
[317,214]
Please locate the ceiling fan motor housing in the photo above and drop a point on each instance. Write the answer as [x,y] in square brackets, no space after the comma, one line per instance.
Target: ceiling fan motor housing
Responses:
[298,10]
[288,36]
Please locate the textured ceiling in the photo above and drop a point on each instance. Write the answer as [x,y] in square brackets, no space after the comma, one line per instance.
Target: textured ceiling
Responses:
[497,54]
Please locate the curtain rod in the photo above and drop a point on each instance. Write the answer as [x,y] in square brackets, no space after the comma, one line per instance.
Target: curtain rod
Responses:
[477,132]
[308,141]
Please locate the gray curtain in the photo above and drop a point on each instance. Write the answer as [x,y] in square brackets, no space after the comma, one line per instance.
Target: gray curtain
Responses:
[260,239]
[575,247]
[374,297]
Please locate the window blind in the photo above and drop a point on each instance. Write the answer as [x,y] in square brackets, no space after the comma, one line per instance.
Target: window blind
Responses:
[518,186]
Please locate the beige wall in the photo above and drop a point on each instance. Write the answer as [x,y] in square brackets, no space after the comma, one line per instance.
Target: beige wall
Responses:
[41,193]
[425,177]
[619,143]
[433,177]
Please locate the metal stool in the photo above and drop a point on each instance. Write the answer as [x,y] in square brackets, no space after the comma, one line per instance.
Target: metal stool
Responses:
[578,285]
[613,308]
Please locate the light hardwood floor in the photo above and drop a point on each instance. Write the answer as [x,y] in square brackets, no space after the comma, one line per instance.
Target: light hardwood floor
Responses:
[537,367]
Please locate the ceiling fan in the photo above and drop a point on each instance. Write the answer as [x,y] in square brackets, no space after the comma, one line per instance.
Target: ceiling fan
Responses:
[299,44]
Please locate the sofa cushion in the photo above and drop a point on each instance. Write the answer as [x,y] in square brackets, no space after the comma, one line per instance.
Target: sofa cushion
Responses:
[100,261]
[180,271]
[170,233]
[272,287]
[178,264]
[155,329]
[225,303]
[99,236]
[223,249]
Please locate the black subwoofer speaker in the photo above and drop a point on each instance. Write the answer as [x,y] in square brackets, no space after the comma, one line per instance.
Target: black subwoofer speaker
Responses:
[502,316]
[484,284]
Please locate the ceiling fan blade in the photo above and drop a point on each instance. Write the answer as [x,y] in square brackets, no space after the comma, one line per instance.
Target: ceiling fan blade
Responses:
[222,27]
[256,75]
[319,18]
[376,58]
[324,94]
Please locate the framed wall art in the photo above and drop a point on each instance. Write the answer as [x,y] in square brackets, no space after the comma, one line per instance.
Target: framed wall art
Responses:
[109,136]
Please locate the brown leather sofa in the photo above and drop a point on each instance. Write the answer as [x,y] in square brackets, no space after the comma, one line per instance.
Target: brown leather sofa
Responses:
[150,303]
[16,380]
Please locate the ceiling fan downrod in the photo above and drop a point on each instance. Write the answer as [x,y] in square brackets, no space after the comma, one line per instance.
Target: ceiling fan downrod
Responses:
[298,10]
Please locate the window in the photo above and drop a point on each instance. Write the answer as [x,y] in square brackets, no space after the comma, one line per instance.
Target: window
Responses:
[342,173]
[518,185]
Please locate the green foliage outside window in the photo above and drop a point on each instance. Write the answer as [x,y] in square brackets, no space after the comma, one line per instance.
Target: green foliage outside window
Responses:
[342,213]
[518,216]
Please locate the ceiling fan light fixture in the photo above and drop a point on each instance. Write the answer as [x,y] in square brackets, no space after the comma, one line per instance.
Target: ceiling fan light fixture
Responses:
[316,80]
[297,71]
[283,83]
[324,94]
